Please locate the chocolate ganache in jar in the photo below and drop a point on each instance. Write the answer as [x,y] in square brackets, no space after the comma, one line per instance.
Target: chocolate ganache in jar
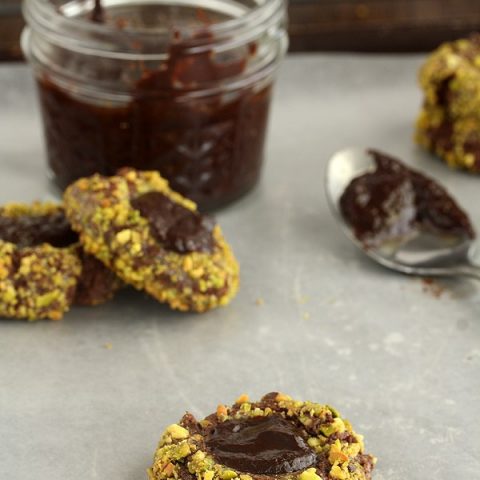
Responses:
[178,86]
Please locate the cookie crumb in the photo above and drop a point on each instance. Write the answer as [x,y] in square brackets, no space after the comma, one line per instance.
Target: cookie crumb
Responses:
[108,346]
[431,286]
[260,301]
[302,299]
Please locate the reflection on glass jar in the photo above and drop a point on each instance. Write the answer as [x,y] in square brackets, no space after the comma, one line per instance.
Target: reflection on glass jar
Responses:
[183,87]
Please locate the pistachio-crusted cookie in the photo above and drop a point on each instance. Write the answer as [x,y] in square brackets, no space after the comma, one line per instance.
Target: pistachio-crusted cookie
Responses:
[153,238]
[449,122]
[42,268]
[277,438]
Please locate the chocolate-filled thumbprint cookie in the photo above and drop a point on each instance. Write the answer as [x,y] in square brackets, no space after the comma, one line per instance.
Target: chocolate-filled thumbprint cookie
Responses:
[153,238]
[43,270]
[276,438]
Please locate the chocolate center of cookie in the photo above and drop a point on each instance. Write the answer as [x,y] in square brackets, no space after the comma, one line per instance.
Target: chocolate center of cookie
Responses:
[260,445]
[174,226]
[394,201]
[31,230]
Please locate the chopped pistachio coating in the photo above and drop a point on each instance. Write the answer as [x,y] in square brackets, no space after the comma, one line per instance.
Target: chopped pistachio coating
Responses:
[451,78]
[39,209]
[451,141]
[449,121]
[99,209]
[183,452]
[39,281]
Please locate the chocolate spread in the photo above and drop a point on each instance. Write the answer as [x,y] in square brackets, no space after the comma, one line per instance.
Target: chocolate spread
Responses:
[267,445]
[395,201]
[31,230]
[174,226]
[209,147]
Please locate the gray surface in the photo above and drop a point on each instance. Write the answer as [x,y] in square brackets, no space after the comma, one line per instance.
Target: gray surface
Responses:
[402,365]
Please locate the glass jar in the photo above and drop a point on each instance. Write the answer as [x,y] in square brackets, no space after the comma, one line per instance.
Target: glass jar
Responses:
[179,86]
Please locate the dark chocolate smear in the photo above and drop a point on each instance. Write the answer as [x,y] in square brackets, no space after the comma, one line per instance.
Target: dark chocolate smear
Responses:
[268,445]
[31,230]
[174,226]
[394,201]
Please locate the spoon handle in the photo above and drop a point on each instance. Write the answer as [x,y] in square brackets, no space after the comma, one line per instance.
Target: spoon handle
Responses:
[469,270]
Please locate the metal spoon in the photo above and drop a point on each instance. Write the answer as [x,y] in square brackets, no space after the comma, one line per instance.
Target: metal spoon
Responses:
[425,254]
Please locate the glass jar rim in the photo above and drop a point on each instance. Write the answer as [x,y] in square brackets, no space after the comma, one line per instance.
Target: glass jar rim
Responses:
[41,15]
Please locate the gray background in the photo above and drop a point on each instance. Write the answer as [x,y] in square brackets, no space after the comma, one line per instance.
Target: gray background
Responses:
[401,364]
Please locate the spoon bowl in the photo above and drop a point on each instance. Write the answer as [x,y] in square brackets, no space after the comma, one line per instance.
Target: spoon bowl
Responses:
[424,253]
